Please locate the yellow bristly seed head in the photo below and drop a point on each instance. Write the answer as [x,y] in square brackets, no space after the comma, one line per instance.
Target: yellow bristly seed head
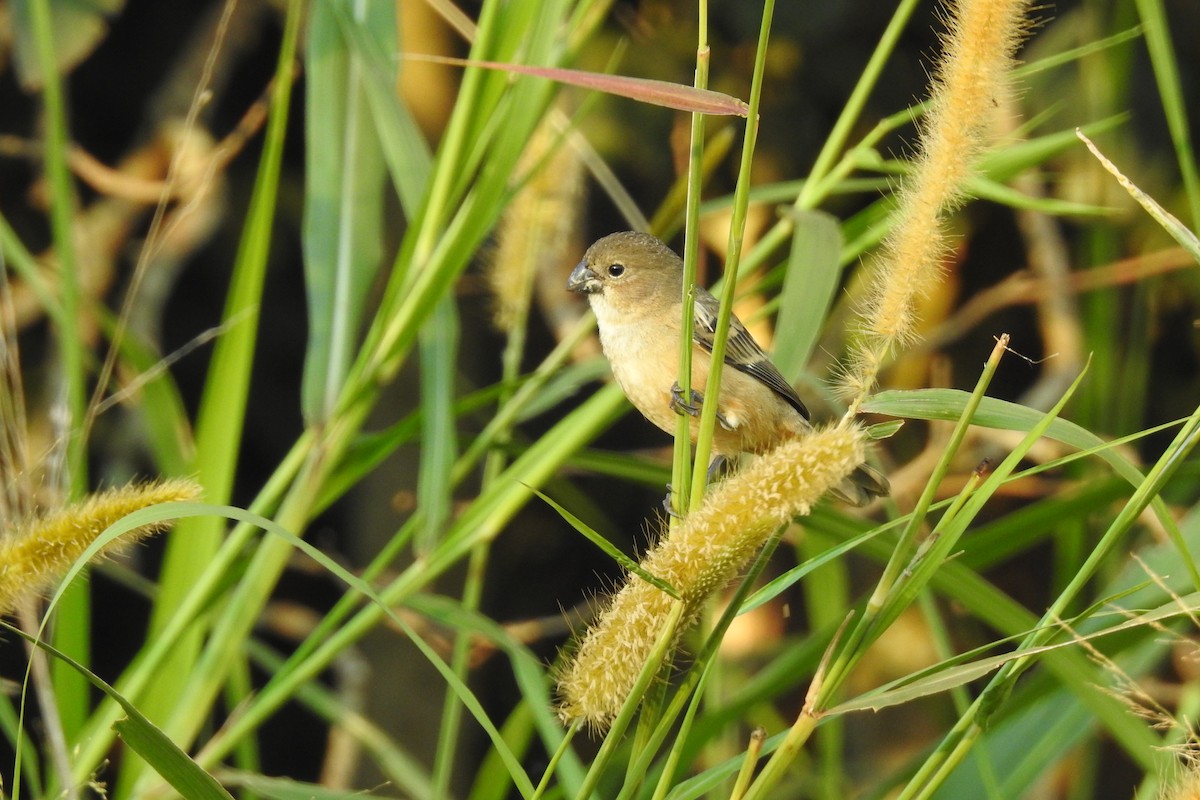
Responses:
[41,549]
[979,43]
[700,557]
[538,229]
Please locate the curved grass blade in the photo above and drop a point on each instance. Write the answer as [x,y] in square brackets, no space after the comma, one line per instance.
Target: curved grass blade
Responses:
[947,404]
[145,738]
[1179,232]
[612,552]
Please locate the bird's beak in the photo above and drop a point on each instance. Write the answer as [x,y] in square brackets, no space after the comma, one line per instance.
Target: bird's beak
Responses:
[583,280]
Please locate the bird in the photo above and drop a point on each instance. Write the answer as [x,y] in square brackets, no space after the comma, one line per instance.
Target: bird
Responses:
[634,285]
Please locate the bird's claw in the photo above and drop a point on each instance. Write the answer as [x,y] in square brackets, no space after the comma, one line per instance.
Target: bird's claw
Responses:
[718,468]
[692,409]
[680,406]
[668,506]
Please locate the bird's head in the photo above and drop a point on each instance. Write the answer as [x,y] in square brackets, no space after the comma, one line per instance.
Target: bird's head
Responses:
[628,265]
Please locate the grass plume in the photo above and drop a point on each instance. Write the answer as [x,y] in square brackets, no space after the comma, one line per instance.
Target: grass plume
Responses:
[539,227]
[968,90]
[42,548]
[700,557]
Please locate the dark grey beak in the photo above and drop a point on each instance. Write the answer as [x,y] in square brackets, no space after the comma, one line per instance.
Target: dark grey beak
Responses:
[583,279]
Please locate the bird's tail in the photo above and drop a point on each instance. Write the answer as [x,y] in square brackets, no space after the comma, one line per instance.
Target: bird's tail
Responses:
[862,486]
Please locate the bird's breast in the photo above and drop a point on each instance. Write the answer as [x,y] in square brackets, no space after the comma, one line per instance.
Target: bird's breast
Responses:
[644,363]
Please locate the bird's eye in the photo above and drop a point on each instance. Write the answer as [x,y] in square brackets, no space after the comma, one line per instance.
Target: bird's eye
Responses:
[616,270]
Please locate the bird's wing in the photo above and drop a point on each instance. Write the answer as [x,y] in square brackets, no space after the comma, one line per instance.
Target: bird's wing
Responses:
[741,351]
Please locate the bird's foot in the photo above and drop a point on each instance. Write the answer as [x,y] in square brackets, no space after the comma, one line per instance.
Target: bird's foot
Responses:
[668,506]
[691,407]
[719,467]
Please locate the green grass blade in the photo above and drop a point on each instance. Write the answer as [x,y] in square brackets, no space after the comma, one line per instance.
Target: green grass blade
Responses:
[404,147]
[528,670]
[439,357]
[74,635]
[809,284]
[403,770]
[609,549]
[165,758]
[343,210]
[947,404]
[142,736]
[22,262]
[491,778]
[781,584]
[222,407]
[810,196]
[1175,104]
[29,760]
[287,789]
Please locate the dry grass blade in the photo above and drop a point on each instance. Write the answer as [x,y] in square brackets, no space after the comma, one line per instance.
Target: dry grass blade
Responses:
[1168,221]
[660,93]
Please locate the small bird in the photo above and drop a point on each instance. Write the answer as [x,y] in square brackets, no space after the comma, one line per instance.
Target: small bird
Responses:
[634,284]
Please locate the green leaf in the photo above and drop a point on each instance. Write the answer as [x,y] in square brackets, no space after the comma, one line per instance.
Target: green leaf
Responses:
[343,211]
[165,758]
[162,754]
[404,147]
[809,285]
[527,668]
[947,404]
[286,789]
[987,189]
[439,355]
[778,586]
[884,430]
[1175,100]
[1004,163]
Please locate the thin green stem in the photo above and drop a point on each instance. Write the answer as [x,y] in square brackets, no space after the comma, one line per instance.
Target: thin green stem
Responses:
[859,638]
[1175,106]
[810,195]
[62,212]
[452,708]
[737,230]
[681,480]
[650,671]
[564,747]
